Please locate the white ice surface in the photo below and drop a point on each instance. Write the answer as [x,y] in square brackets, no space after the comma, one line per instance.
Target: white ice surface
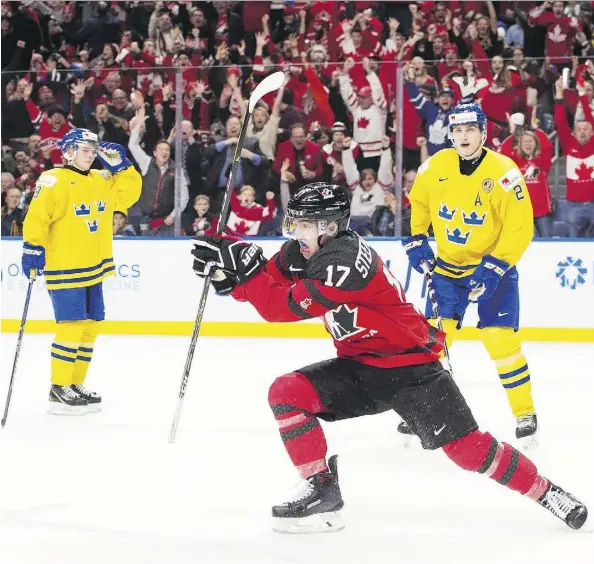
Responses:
[108,488]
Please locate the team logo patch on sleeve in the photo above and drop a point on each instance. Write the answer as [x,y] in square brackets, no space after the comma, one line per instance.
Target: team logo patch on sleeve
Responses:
[105,174]
[510,179]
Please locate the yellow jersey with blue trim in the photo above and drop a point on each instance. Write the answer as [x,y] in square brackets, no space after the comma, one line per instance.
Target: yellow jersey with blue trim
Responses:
[71,216]
[487,212]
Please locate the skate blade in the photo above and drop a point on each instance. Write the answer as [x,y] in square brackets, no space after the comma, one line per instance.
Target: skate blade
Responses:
[93,408]
[529,443]
[63,409]
[330,522]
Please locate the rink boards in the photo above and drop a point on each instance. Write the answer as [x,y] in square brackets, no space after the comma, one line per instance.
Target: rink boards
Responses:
[156,292]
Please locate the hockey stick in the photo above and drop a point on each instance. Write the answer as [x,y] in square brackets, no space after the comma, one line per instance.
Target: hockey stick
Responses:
[435,308]
[269,84]
[18,347]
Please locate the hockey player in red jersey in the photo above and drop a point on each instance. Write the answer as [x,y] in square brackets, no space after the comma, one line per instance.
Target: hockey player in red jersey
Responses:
[388,358]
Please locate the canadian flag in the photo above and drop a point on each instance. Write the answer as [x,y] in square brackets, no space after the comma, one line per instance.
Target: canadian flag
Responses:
[580,169]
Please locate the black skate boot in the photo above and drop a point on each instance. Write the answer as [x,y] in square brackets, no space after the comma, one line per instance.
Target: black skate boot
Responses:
[315,508]
[65,401]
[526,428]
[565,506]
[92,398]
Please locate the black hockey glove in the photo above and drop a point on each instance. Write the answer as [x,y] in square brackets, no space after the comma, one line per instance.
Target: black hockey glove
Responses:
[235,257]
[222,283]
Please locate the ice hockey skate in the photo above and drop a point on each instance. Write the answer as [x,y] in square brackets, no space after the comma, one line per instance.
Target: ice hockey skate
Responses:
[63,400]
[526,428]
[93,399]
[565,506]
[315,506]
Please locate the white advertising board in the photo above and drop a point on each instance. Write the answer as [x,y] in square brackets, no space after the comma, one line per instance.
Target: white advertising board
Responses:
[154,283]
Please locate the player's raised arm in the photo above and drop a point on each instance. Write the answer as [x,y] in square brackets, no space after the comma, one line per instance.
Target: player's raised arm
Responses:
[325,213]
[127,183]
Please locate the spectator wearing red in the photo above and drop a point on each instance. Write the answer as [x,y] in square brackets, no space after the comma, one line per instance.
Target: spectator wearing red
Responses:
[579,167]
[316,106]
[505,94]
[533,154]
[247,215]
[305,162]
[369,110]
[318,33]
[449,66]
[438,16]
[144,62]
[468,85]
[52,128]
[361,37]
[561,32]
[580,100]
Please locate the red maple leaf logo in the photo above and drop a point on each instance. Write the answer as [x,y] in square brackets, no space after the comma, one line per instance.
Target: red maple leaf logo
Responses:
[362,122]
[584,172]
[241,228]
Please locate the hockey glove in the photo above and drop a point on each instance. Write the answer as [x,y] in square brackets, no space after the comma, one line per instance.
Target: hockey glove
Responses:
[113,157]
[485,278]
[418,250]
[222,283]
[235,257]
[33,259]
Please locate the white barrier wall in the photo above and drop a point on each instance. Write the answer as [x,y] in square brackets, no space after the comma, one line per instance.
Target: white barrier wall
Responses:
[154,282]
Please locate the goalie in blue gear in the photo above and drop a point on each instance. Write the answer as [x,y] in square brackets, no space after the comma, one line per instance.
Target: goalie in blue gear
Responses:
[67,236]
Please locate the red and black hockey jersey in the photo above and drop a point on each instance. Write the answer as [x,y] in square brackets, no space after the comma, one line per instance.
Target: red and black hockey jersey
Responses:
[361,303]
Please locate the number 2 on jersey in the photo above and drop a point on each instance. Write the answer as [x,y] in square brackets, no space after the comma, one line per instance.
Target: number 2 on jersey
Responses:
[519,192]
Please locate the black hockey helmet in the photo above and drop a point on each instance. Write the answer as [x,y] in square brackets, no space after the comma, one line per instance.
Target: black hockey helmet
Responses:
[319,201]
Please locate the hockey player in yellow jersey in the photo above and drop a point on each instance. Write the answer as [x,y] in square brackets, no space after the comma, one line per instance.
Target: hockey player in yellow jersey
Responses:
[478,204]
[67,236]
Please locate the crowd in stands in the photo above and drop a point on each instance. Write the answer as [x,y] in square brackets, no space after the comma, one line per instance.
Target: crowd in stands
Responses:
[115,68]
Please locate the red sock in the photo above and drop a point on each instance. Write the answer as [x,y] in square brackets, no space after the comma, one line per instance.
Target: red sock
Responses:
[294,403]
[480,452]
